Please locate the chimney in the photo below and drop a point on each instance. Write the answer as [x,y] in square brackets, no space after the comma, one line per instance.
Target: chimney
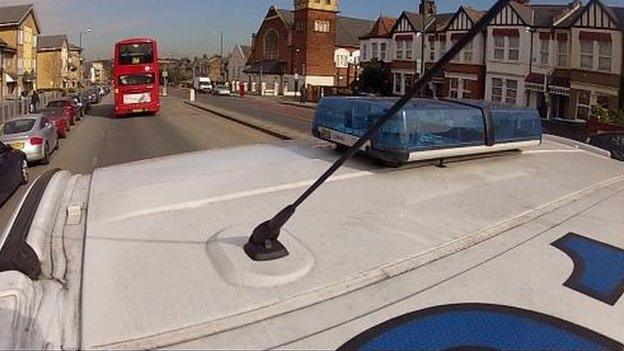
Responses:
[427,7]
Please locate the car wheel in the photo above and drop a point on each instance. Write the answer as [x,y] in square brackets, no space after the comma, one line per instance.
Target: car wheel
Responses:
[46,154]
[24,171]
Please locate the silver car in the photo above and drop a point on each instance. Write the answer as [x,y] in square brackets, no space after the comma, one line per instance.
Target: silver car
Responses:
[33,134]
[221,90]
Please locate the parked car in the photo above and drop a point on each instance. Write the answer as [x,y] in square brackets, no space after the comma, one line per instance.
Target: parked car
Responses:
[612,142]
[13,171]
[57,117]
[221,90]
[94,97]
[69,108]
[33,134]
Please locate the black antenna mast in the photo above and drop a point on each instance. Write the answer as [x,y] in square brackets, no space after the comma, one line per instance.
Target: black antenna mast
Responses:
[263,244]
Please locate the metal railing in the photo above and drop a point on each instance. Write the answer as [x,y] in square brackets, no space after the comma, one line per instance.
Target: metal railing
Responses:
[14,107]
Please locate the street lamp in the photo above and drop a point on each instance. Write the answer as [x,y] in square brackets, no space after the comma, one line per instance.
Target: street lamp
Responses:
[220,32]
[88,30]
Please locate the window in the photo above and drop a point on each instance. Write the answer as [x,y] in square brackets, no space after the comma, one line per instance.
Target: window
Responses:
[467,52]
[400,45]
[342,60]
[364,46]
[321,26]
[511,91]
[442,47]
[544,49]
[587,54]
[499,47]
[583,107]
[270,45]
[20,37]
[432,50]
[454,88]
[465,94]
[602,100]
[408,49]
[497,89]
[407,80]
[514,48]
[375,52]
[604,55]
[384,46]
[133,54]
[397,83]
[562,54]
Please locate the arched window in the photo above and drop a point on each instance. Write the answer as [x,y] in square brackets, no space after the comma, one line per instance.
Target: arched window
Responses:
[341,58]
[270,45]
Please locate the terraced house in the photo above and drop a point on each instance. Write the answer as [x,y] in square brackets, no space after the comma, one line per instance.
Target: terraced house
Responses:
[54,62]
[19,28]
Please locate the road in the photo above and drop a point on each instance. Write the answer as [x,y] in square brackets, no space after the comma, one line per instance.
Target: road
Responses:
[264,109]
[101,140]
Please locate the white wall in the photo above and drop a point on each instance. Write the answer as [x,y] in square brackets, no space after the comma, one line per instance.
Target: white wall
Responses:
[369,49]
[616,42]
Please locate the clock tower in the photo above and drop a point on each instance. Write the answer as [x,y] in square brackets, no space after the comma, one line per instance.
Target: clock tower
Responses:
[315,40]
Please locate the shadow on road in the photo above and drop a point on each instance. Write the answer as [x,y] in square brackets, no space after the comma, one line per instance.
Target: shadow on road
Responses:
[108,111]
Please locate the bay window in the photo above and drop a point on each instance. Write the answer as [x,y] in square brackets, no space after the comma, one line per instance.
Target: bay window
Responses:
[467,52]
[562,53]
[544,49]
[400,46]
[605,50]
[514,48]
[505,90]
[499,48]
[384,47]
[375,50]
[583,104]
[497,89]
[587,54]
[511,91]
[408,49]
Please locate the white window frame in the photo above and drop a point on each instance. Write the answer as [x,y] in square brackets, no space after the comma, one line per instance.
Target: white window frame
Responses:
[408,50]
[587,54]
[511,100]
[501,96]
[342,61]
[579,104]
[383,48]
[364,46]
[454,88]
[321,26]
[512,48]
[20,37]
[399,49]
[398,78]
[563,53]
[467,55]
[498,48]
[600,55]
[544,51]
[375,51]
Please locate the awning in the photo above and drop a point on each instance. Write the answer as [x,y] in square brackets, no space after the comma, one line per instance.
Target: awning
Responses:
[535,82]
[265,67]
[559,85]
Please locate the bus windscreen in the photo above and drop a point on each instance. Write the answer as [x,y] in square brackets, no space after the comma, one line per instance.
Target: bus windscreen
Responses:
[135,54]
[136,79]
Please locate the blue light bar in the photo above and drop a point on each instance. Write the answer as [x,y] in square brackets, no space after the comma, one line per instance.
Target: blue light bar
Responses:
[426,128]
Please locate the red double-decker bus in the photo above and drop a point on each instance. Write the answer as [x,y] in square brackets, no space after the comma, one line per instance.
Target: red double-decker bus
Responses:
[136,76]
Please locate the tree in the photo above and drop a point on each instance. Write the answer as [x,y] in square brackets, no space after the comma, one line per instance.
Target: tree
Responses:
[605,115]
[375,78]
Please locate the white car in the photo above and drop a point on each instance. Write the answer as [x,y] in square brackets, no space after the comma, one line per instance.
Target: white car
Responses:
[221,90]
[152,254]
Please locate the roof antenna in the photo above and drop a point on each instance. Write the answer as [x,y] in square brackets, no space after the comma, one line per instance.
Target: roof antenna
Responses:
[263,244]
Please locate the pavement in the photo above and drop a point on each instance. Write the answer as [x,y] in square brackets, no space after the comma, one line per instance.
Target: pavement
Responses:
[100,140]
[266,113]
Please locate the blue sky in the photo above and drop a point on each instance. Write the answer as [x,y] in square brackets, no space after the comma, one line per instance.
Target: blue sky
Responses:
[186,27]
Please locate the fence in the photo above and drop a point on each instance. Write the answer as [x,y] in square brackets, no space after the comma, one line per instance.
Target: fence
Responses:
[12,108]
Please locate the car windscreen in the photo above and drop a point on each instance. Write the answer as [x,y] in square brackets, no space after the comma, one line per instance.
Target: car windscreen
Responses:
[57,103]
[136,79]
[134,54]
[18,126]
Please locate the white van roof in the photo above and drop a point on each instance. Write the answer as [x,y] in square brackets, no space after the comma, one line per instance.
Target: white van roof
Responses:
[164,264]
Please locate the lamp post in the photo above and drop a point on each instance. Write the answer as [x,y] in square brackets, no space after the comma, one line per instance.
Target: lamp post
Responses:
[80,59]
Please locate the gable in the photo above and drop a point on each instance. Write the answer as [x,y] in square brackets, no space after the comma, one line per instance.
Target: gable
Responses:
[508,17]
[594,15]
[402,25]
[460,21]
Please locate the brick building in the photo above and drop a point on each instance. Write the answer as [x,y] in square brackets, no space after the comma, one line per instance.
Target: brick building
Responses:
[311,45]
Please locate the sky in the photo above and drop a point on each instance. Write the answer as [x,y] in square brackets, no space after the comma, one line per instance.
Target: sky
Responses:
[190,27]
